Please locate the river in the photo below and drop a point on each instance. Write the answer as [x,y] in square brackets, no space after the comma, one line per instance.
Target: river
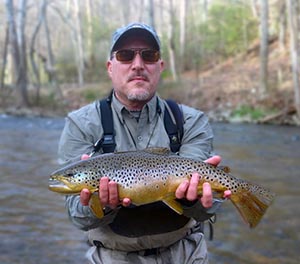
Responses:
[34,227]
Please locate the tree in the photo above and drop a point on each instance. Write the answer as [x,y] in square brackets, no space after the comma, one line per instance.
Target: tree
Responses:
[32,53]
[171,41]
[18,48]
[4,58]
[183,5]
[264,47]
[79,46]
[293,21]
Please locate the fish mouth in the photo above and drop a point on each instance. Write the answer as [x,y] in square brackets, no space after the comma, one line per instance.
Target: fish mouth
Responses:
[58,186]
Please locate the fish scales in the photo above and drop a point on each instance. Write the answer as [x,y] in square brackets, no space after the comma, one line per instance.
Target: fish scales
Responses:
[154,175]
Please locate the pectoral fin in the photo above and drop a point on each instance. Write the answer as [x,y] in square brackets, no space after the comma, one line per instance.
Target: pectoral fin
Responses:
[176,206]
[96,206]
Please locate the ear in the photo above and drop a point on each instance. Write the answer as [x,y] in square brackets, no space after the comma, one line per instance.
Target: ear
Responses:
[109,68]
[162,66]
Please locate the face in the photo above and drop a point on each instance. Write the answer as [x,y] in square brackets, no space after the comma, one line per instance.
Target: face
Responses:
[135,83]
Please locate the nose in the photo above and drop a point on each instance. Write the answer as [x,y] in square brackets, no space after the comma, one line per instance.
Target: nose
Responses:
[137,62]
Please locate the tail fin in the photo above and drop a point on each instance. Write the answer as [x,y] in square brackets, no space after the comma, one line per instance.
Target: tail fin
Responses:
[252,201]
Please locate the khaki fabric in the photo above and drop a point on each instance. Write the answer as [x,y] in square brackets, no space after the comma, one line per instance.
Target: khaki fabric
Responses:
[111,240]
[190,250]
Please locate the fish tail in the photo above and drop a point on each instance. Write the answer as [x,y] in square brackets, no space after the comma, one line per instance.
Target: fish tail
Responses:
[252,203]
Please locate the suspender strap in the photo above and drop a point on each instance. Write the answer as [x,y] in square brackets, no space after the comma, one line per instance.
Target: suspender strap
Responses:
[175,131]
[108,143]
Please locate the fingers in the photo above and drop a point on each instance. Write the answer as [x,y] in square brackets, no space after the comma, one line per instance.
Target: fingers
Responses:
[85,156]
[85,197]
[108,193]
[188,189]
[207,195]
[126,202]
[181,189]
[192,191]
[227,194]
[214,160]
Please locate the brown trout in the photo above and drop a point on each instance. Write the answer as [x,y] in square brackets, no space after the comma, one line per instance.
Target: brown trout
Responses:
[153,175]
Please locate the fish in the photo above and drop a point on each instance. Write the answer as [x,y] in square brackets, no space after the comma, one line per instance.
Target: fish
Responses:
[153,174]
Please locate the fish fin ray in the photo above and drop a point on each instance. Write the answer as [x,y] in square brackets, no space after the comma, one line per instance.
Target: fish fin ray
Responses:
[96,206]
[157,151]
[225,169]
[252,204]
[174,205]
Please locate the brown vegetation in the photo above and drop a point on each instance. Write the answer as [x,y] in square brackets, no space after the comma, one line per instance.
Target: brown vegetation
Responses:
[219,91]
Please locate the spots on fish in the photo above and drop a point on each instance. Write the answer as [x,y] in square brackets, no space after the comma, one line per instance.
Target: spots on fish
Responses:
[131,169]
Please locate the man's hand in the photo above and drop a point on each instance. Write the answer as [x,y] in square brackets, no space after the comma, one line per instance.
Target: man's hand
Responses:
[108,193]
[188,189]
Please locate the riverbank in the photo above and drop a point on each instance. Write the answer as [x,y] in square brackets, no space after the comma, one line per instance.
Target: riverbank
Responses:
[219,104]
[227,92]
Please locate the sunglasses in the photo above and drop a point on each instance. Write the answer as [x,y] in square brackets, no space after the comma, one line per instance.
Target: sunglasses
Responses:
[128,55]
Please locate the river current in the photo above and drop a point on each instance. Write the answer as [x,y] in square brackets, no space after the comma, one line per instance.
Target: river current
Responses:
[34,227]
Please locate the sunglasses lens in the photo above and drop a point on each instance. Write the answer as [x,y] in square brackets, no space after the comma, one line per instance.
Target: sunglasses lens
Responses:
[150,55]
[127,55]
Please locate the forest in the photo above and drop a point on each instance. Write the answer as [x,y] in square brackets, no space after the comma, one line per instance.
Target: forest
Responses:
[237,60]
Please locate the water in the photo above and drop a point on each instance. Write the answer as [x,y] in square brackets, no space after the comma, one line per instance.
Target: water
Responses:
[34,227]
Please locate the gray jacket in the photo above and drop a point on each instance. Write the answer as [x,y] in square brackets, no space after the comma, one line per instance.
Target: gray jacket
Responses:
[152,225]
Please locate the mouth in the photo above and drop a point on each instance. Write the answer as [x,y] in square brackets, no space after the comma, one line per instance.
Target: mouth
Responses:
[138,78]
[58,186]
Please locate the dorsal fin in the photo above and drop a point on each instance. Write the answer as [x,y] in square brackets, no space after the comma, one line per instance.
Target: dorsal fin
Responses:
[157,150]
[225,169]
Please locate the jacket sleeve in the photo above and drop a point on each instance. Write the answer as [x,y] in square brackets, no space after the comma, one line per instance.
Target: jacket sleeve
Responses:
[77,138]
[82,216]
[197,143]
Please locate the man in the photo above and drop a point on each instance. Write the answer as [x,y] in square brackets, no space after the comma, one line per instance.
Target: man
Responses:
[150,233]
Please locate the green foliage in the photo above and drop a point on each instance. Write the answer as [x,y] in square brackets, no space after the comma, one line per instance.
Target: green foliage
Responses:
[248,111]
[228,30]
[90,95]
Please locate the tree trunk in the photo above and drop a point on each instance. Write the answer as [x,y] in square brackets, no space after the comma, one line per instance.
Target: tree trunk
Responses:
[171,43]
[49,64]
[293,13]
[282,27]
[4,58]
[80,56]
[18,49]
[151,13]
[35,69]
[264,48]
[182,20]
[90,34]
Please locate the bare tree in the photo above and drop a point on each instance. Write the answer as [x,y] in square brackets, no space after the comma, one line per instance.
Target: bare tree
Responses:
[282,25]
[79,46]
[35,69]
[4,57]
[171,41]
[182,20]
[49,62]
[293,21]
[264,47]
[18,48]
[90,33]
[151,13]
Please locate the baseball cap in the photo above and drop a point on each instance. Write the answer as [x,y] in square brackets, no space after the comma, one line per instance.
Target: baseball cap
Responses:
[139,28]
